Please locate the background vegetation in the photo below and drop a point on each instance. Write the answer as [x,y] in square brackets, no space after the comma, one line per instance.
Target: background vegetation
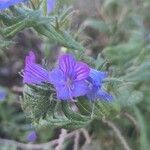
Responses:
[115,36]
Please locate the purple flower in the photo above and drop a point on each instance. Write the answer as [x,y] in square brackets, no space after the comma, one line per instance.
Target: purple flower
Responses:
[7,3]
[31,137]
[34,73]
[69,78]
[95,86]
[3,94]
[50,5]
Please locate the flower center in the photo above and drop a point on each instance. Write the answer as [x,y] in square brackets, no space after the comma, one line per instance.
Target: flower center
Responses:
[69,82]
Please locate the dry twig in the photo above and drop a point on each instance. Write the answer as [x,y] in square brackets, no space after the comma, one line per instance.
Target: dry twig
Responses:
[61,139]
[57,142]
[86,135]
[118,134]
[35,146]
[76,141]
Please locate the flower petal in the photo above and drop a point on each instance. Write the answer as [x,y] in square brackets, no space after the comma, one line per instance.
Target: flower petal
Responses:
[56,77]
[32,136]
[103,95]
[50,5]
[63,93]
[7,3]
[35,74]
[80,88]
[67,63]
[82,71]
[3,94]
[66,93]
[30,58]
[92,92]
[96,77]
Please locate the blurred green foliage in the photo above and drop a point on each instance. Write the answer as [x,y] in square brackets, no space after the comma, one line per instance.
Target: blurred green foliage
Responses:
[120,43]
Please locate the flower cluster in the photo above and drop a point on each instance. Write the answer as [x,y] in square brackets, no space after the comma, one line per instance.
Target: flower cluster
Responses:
[71,78]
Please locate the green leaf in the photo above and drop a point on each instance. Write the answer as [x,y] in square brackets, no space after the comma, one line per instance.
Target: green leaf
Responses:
[36,101]
[6,43]
[44,111]
[44,7]
[42,24]
[123,53]
[72,115]
[127,96]
[105,109]
[84,106]
[50,121]
[139,73]
[100,26]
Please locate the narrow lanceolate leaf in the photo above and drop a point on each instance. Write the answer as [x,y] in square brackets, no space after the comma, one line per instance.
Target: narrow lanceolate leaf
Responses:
[44,7]
[105,110]
[42,24]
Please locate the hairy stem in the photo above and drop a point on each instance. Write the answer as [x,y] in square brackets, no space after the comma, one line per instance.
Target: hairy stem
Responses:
[132,120]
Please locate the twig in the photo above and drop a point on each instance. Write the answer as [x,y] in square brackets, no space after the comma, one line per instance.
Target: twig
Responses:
[59,142]
[35,146]
[76,141]
[28,146]
[132,120]
[86,135]
[98,9]
[61,139]
[17,89]
[118,134]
